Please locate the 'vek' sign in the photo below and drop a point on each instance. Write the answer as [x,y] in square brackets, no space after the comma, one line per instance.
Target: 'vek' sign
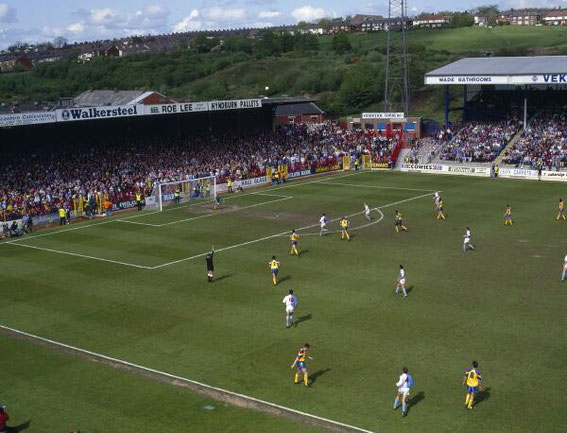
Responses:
[555,78]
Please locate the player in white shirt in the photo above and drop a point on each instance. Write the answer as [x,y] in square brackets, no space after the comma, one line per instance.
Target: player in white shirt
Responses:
[403,390]
[401,284]
[290,302]
[323,220]
[467,240]
[436,198]
[564,269]
[367,212]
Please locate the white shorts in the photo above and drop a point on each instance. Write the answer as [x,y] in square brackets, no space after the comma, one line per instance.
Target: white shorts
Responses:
[404,392]
[467,240]
[323,226]
[402,282]
[290,310]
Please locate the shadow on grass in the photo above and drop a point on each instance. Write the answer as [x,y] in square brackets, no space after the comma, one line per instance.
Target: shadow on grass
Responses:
[223,277]
[286,278]
[482,396]
[303,252]
[303,319]
[313,377]
[409,289]
[414,401]
[18,428]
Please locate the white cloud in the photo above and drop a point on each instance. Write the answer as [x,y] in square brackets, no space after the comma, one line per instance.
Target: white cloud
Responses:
[222,14]
[51,32]
[268,14]
[76,28]
[152,16]
[7,14]
[106,17]
[189,23]
[308,13]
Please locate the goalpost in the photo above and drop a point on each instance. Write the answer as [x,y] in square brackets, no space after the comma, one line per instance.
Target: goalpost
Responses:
[168,193]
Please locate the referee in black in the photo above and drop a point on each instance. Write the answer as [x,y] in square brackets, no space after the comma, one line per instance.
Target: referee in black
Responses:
[210,265]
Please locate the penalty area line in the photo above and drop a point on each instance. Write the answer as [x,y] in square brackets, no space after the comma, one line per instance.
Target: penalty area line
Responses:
[234,398]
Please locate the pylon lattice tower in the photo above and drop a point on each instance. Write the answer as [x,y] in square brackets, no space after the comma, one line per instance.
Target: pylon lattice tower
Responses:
[396,86]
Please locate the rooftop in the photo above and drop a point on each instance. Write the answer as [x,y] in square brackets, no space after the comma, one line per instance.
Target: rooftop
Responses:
[533,65]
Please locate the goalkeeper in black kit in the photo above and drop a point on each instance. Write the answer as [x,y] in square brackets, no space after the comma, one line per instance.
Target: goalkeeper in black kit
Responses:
[210,265]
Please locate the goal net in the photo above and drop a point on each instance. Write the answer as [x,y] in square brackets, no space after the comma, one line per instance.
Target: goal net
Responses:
[183,191]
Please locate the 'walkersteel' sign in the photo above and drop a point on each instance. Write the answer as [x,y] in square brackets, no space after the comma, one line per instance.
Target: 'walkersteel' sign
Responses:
[94,113]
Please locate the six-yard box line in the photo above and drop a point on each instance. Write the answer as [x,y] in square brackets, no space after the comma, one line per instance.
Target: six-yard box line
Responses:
[220,394]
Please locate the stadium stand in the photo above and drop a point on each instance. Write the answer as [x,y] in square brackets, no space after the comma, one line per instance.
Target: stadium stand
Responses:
[544,140]
[480,141]
[40,182]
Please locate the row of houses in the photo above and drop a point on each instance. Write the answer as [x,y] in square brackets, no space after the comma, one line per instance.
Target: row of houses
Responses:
[527,17]
[86,51]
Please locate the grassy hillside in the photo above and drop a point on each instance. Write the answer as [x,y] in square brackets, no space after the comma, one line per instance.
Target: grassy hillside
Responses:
[345,80]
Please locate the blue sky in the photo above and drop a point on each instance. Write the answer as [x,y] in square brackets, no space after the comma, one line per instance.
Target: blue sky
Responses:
[41,20]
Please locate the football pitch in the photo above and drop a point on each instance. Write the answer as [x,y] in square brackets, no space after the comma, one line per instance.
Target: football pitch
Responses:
[134,288]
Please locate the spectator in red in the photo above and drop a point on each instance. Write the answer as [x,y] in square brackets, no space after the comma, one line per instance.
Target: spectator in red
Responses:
[4,417]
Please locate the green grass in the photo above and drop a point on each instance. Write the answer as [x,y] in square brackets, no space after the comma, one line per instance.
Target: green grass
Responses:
[60,394]
[502,305]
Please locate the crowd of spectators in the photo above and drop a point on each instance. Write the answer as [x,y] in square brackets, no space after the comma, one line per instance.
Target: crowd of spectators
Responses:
[478,141]
[543,143]
[40,182]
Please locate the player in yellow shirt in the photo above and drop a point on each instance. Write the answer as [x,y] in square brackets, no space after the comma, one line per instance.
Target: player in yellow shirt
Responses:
[344,229]
[294,237]
[561,213]
[508,216]
[472,380]
[440,204]
[399,223]
[275,267]
[300,363]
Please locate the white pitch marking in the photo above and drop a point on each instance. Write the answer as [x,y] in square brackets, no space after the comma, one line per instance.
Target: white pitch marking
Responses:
[138,223]
[82,256]
[182,379]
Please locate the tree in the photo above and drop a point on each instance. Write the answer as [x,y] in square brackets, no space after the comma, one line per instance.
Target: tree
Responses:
[302,24]
[461,19]
[341,43]
[60,42]
[325,23]
[307,42]
[361,87]
[490,12]
[269,44]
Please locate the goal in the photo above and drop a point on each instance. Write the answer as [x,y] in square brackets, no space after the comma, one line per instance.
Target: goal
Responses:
[182,191]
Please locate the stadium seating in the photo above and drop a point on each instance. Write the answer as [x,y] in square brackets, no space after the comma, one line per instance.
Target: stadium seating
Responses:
[545,139]
[40,183]
[480,141]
